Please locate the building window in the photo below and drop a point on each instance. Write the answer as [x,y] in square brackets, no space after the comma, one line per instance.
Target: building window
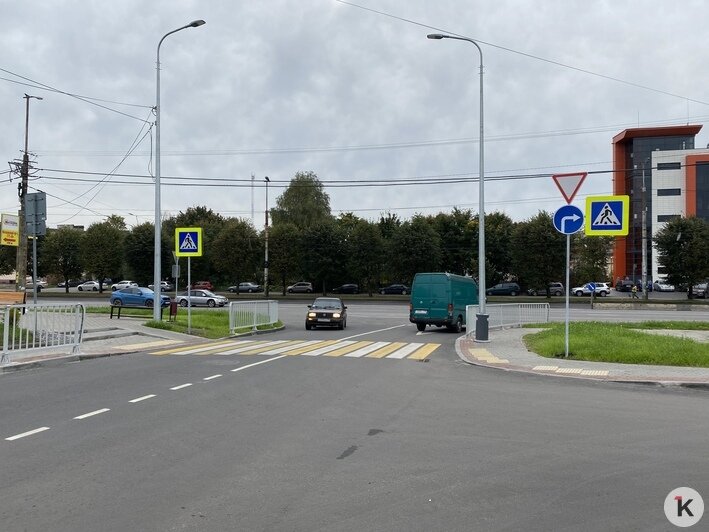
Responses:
[667,217]
[669,166]
[669,191]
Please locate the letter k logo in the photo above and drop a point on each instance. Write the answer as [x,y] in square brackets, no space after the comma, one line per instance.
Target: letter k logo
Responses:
[683,507]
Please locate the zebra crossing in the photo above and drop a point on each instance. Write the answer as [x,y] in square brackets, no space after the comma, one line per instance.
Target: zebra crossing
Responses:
[313,348]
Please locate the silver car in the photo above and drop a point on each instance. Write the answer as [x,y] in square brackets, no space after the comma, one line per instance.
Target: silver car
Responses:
[201,297]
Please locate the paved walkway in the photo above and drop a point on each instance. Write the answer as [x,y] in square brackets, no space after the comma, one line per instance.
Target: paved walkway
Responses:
[506,351]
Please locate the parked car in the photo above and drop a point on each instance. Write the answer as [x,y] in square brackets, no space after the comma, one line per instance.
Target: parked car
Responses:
[137,296]
[555,289]
[247,287]
[663,286]
[601,289]
[164,286]
[88,286]
[346,289]
[395,289]
[123,284]
[200,298]
[504,289]
[72,283]
[328,312]
[302,287]
[29,285]
[202,285]
[700,290]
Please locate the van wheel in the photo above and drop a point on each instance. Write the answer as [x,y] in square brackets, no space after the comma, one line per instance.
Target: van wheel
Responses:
[421,326]
[458,327]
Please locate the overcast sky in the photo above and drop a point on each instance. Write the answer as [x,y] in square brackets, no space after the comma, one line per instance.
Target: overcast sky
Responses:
[359,97]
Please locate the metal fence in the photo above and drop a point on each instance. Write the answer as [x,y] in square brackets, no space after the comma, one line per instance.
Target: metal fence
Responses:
[251,314]
[509,315]
[40,327]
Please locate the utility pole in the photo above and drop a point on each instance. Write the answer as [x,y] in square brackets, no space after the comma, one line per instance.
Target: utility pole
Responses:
[265,260]
[21,263]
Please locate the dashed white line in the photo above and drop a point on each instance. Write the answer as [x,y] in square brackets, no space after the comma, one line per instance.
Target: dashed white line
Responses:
[139,399]
[28,433]
[181,386]
[257,363]
[94,413]
[212,377]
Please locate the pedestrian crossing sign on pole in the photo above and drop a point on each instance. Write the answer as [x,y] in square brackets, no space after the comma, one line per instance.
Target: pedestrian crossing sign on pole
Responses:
[188,241]
[607,215]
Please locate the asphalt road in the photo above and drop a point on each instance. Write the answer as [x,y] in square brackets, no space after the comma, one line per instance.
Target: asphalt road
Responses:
[144,442]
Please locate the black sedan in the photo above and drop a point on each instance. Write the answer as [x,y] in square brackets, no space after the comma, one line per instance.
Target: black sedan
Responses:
[327,312]
[346,289]
[395,289]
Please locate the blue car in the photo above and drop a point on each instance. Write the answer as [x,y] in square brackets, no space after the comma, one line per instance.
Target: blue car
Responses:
[136,296]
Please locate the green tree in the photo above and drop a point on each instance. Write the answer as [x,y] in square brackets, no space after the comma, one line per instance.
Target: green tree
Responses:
[304,203]
[240,252]
[589,258]
[683,251]
[139,247]
[366,255]
[324,256]
[8,259]
[62,254]
[284,252]
[414,247]
[456,243]
[538,252]
[102,250]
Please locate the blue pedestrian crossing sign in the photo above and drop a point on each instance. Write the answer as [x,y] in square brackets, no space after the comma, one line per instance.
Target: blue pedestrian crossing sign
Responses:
[607,215]
[188,241]
[568,219]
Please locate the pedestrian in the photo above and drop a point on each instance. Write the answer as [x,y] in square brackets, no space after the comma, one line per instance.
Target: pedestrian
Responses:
[634,292]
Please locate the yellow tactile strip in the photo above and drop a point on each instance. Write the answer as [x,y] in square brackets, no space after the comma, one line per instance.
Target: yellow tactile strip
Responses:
[483,355]
[573,371]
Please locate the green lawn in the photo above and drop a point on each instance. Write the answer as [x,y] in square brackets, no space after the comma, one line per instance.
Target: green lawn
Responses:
[619,342]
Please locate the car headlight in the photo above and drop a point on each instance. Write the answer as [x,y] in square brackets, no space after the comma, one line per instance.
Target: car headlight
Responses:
[311,314]
[336,315]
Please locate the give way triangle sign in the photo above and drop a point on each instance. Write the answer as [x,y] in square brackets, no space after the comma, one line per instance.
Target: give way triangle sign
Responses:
[569,184]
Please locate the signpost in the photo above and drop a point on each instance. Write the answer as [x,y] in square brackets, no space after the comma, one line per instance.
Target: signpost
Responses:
[188,243]
[607,215]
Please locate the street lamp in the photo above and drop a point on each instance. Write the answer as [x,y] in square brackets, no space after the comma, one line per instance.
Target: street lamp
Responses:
[265,259]
[481,324]
[156,268]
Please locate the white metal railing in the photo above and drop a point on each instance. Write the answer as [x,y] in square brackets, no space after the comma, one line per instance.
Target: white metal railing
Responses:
[37,327]
[509,315]
[252,314]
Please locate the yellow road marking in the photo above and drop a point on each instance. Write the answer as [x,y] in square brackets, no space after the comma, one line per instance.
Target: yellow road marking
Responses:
[260,348]
[423,352]
[156,343]
[386,350]
[190,348]
[347,349]
[311,347]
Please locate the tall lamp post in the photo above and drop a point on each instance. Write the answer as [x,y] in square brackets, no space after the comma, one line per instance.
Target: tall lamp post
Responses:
[265,259]
[158,228]
[481,324]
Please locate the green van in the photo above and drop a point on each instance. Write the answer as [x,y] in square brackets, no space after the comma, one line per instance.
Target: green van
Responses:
[440,299]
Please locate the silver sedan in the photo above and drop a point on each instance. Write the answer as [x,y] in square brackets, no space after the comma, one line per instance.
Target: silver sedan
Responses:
[201,297]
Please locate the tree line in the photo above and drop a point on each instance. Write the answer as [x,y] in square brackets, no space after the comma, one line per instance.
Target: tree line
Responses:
[306,242]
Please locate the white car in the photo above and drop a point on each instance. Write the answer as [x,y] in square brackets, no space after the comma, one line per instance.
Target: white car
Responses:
[602,289]
[201,297]
[89,286]
[663,286]
[123,284]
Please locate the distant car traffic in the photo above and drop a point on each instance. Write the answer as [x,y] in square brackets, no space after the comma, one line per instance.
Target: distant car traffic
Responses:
[555,289]
[600,289]
[395,289]
[164,286]
[700,290]
[663,286]
[326,312]
[346,289]
[504,289]
[88,286]
[202,285]
[247,287]
[201,298]
[302,287]
[72,283]
[136,296]
[123,284]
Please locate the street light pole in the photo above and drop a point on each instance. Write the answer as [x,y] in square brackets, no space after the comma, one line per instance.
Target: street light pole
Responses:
[158,226]
[265,259]
[21,261]
[481,324]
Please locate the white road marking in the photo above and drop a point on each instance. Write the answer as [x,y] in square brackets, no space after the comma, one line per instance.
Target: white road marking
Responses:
[28,433]
[94,413]
[181,386]
[328,348]
[252,345]
[378,330]
[405,351]
[257,363]
[139,399]
[367,349]
[213,377]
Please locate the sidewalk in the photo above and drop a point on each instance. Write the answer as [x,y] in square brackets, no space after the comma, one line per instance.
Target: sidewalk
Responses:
[506,351]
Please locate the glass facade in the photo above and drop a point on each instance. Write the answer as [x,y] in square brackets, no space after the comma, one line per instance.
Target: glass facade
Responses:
[703,191]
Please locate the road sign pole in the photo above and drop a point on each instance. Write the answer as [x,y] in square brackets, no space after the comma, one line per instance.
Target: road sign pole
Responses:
[189,296]
[568,260]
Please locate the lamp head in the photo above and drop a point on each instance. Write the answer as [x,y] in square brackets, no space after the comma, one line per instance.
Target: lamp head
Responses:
[196,23]
[435,36]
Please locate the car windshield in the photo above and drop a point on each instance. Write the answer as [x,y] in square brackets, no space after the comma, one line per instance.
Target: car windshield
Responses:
[323,303]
